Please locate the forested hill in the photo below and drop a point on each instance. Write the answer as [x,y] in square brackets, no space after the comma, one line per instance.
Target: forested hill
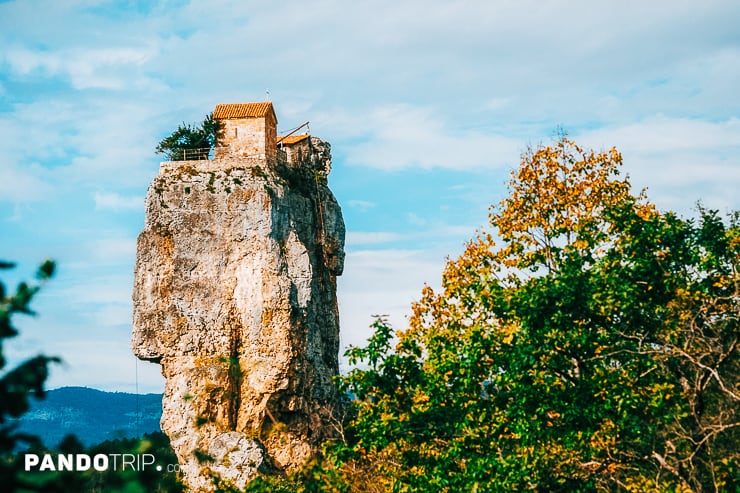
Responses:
[92,415]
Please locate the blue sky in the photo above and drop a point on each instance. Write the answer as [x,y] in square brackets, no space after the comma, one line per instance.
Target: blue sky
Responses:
[427,104]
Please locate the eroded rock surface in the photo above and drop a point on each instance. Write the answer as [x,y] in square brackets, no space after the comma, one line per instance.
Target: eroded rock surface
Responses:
[235,297]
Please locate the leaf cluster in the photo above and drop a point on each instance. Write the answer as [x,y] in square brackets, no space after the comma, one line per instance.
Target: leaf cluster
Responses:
[191,141]
[27,379]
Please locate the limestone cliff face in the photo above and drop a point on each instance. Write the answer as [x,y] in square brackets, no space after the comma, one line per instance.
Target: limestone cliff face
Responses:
[235,297]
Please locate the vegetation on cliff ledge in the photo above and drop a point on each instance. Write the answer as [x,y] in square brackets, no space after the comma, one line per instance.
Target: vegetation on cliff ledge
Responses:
[190,142]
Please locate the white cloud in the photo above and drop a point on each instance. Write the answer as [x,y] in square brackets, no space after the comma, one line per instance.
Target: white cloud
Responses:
[22,184]
[680,160]
[660,134]
[362,205]
[494,104]
[382,283]
[440,236]
[116,202]
[112,250]
[80,142]
[415,219]
[99,68]
[81,289]
[402,136]
[358,238]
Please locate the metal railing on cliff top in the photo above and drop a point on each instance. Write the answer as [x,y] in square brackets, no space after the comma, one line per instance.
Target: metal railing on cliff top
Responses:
[202,154]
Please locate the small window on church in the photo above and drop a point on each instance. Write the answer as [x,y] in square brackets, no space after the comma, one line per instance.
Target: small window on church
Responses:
[236,132]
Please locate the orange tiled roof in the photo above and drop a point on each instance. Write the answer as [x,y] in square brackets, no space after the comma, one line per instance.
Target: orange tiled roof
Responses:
[242,110]
[292,139]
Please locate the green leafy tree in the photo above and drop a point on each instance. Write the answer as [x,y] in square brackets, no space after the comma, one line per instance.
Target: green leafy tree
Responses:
[25,380]
[588,343]
[191,142]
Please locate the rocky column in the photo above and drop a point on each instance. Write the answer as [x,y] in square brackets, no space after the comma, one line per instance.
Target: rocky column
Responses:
[235,297]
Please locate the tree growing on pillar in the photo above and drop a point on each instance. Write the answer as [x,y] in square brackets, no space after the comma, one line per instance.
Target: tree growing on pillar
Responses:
[190,142]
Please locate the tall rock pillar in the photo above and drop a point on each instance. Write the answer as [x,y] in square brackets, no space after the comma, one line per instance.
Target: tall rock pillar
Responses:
[235,298]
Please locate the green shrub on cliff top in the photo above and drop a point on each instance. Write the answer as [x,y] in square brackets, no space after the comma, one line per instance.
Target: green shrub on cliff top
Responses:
[190,142]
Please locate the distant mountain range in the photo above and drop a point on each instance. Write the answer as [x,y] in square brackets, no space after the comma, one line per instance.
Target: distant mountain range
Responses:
[92,415]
